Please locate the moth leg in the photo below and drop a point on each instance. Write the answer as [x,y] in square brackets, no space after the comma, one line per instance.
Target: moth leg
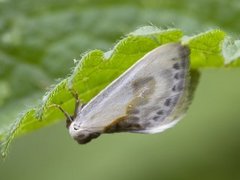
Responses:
[69,119]
[78,104]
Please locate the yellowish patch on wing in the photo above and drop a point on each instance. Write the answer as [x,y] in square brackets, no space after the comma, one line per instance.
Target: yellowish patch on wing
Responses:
[143,88]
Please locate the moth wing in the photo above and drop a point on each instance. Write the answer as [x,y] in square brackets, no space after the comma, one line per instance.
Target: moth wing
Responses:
[146,98]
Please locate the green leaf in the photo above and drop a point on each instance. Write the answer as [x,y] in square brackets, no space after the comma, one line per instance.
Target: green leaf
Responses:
[97,69]
[231,52]
[206,50]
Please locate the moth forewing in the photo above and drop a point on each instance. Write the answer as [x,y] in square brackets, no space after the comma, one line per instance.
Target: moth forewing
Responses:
[145,99]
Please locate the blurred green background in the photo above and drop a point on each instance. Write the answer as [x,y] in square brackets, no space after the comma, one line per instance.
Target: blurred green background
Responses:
[38,42]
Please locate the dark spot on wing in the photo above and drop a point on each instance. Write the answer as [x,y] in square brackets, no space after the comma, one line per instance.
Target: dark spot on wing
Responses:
[155,118]
[178,87]
[160,112]
[176,66]
[141,82]
[174,88]
[168,102]
[175,59]
[179,75]
[147,124]
[184,51]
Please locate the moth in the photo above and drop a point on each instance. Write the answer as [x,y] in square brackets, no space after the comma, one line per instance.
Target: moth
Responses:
[150,97]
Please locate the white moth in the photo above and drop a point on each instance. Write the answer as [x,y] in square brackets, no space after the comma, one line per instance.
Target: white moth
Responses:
[150,97]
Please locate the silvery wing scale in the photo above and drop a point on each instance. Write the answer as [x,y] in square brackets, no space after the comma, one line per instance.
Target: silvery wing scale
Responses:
[149,97]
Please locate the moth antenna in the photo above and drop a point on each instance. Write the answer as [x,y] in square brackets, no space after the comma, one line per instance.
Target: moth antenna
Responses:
[69,118]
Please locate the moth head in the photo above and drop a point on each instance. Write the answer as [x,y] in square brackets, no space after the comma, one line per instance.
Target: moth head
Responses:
[82,136]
